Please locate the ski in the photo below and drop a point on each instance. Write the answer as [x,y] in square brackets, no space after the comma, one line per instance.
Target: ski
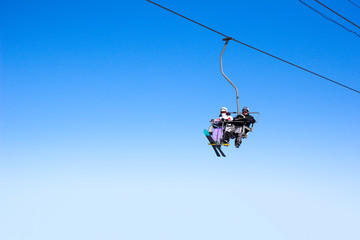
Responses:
[213,144]
[222,153]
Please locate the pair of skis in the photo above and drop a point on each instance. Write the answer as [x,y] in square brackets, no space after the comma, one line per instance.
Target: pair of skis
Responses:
[216,147]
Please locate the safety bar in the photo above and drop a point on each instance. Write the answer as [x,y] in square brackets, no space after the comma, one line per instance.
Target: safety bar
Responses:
[252,125]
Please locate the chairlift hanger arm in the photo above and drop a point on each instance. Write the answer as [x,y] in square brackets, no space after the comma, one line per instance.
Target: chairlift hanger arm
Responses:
[222,72]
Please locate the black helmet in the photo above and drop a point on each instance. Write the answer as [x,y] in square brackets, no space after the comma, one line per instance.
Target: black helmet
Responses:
[245,109]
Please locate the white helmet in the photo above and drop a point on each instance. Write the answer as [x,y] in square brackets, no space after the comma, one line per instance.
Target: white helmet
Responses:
[223,109]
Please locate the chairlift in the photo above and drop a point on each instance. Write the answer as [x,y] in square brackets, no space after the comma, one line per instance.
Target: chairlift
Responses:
[217,146]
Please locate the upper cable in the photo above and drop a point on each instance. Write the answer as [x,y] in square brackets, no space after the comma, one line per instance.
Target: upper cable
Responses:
[259,50]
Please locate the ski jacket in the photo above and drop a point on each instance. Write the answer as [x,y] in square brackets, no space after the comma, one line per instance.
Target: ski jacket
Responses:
[222,117]
[241,120]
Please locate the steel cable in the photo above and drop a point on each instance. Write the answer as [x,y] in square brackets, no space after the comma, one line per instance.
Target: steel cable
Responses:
[327,18]
[337,13]
[271,55]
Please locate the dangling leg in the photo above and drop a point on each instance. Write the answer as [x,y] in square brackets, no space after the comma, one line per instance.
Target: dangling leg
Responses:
[238,141]
[227,137]
[217,134]
[239,136]
[228,131]
[211,128]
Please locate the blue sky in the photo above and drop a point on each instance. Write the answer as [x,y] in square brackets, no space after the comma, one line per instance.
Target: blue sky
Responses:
[103,104]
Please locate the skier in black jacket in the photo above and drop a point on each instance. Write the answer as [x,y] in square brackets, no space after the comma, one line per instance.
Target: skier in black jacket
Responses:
[242,125]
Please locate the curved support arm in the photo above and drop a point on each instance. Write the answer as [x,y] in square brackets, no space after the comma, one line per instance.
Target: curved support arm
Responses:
[222,72]
[252,126]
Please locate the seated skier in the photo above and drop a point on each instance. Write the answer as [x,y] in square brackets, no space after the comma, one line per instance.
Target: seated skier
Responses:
[218,125]
[242,125]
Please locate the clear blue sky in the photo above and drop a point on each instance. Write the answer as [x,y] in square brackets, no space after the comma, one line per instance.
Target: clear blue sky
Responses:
[103,105]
